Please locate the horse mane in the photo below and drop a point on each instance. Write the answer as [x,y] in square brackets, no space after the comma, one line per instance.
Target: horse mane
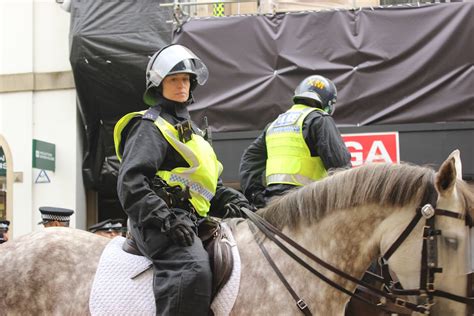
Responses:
[383,184]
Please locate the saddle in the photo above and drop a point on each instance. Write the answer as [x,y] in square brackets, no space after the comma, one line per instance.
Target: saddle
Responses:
[217,245]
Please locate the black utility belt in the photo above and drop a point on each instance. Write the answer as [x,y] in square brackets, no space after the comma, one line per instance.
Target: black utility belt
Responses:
[173,196]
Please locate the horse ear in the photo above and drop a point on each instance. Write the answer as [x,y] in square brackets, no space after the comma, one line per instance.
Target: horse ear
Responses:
[448,172]
[457,159]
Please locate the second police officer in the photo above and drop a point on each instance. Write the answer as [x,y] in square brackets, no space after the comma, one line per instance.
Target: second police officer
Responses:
[298,147]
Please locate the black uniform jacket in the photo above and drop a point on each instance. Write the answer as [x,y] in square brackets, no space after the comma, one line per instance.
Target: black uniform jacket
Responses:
[145,150]
[323,139]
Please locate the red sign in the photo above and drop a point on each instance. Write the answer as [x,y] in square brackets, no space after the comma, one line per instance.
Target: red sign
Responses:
[373,147]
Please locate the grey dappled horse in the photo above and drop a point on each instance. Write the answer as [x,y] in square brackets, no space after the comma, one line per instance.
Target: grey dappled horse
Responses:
[348,219]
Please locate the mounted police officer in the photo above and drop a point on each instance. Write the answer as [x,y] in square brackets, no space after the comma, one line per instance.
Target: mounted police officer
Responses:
[169,179]
[298,147]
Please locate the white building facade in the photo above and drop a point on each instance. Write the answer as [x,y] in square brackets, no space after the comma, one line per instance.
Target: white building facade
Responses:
[38,102]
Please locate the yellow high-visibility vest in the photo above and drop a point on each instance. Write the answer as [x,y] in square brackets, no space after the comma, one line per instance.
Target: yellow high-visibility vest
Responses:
[289,159]
[204,169]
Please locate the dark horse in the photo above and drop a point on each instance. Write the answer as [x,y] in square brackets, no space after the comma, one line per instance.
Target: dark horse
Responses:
[348,219]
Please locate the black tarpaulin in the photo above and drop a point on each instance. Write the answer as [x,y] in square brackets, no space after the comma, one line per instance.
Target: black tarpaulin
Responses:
[391,66]
[110,45]
[403,64]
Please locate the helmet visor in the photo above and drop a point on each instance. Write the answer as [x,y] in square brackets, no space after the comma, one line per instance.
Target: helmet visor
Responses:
[308,95]
[171,56]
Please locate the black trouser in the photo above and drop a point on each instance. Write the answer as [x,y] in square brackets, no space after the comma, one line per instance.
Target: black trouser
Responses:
[182,275]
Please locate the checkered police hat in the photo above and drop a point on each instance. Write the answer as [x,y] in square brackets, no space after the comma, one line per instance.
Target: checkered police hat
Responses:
[49,214]
[107,225]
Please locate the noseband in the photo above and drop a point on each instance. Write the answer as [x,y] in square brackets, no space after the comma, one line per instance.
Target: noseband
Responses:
[391,294]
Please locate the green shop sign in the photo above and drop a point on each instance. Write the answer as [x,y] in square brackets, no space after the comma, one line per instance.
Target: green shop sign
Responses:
[3,163]
[44,155]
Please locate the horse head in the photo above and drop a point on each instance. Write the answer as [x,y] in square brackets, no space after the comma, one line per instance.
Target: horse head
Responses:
[433,261]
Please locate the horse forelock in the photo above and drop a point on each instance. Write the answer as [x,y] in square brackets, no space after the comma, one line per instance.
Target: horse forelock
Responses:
[383,184]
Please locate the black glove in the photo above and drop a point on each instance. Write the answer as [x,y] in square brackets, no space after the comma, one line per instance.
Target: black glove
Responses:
[247,205]
[258,200]
[181,233]
[234,209]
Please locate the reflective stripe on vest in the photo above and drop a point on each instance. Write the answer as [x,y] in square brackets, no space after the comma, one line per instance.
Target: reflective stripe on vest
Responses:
[204,169]
[289,158]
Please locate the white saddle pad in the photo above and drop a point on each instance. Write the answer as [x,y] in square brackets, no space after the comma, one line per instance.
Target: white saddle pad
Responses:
[123,284]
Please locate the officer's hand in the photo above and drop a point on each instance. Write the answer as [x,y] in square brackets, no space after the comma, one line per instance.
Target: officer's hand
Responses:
[247,205]
[258,200]
[234,209]
[181,233]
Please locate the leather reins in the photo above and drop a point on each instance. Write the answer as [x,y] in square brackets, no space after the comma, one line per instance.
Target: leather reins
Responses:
[428,261]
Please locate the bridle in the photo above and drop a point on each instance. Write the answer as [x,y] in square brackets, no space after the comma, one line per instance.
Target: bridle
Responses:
[429,257]
[390,296]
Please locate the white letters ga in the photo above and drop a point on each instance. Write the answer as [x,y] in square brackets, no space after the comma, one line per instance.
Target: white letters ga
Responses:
[377,153]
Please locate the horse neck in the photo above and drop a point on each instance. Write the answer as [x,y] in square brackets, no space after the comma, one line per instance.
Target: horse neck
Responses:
[346,239]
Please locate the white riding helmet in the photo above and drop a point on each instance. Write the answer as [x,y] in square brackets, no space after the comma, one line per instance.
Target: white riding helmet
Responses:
[173,59]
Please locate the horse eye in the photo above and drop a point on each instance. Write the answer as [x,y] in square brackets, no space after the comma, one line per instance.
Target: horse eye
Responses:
[451,242]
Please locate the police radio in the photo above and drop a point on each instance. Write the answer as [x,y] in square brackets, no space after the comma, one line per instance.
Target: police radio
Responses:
[207,131]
